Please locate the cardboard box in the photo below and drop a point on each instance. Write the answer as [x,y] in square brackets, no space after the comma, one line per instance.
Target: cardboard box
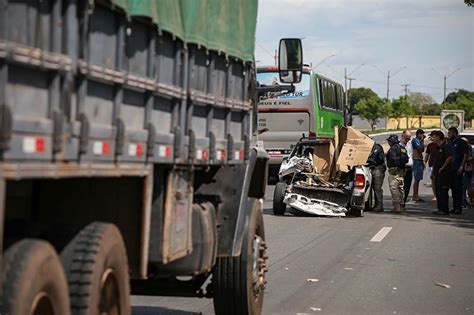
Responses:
[323,158]
[355,148]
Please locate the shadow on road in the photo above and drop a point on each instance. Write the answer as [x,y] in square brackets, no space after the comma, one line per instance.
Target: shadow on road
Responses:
[424,211]
[155,310]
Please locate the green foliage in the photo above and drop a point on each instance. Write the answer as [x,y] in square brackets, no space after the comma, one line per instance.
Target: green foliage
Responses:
[401,107]
[453,96]
[463,100]
[419,101]
[372,108]
[432,109]
[357,94]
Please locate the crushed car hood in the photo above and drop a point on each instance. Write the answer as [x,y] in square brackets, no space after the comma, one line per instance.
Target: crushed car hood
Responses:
[314,206]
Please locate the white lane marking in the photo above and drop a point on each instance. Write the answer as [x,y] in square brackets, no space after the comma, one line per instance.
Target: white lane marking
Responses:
[381,234]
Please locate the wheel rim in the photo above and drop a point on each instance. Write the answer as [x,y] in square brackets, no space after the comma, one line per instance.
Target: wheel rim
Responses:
[42,305]
[259,267]
[109,294]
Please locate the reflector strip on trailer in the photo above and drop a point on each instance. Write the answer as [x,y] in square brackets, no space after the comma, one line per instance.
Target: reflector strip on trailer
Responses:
[101,148]
[201,154]
[135,149]
[239,155]
[33,145]
[164,151]
[220,155]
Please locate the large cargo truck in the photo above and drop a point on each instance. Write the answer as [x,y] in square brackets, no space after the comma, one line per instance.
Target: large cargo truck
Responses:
[127,157]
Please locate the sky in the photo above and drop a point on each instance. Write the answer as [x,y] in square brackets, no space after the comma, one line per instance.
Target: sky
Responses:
[430,38]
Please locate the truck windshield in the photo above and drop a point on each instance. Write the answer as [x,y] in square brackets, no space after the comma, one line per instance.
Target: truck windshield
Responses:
[272,78]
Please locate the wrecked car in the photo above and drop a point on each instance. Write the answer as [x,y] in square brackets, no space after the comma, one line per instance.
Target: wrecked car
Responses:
[326,178]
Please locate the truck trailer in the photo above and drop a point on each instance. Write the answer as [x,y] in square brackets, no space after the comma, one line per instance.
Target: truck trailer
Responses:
[127,158]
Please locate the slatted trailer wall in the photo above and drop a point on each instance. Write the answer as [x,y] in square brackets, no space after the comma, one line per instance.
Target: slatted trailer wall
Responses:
[82,81]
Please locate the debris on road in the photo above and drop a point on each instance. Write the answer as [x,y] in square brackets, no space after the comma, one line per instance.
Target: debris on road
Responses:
[316,309]
[312,280]
[314,206]
[443,285]
[348,268]
[286,268]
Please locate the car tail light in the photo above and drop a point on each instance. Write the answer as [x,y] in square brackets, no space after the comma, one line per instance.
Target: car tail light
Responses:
[360,181]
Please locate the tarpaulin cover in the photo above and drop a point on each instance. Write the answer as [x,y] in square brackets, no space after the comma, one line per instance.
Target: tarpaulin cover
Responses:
[226,26]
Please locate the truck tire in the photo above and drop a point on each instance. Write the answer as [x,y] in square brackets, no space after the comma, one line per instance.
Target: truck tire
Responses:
[97,271]
[279,207]
[239,282]
[33,280]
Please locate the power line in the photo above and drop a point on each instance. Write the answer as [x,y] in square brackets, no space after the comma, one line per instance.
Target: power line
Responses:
[265,50]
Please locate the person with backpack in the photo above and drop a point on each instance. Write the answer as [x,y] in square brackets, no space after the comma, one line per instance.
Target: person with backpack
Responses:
[376,162]
[397,158]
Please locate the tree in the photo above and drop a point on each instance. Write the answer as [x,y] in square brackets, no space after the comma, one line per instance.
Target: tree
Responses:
[357,94]
[432,109]
[463,100]
[463,103]
[453,96]
[372,109]
[401,107]
[419,101]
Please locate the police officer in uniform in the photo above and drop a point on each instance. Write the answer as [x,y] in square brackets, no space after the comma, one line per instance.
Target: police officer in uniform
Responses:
[397,158]
[376,162]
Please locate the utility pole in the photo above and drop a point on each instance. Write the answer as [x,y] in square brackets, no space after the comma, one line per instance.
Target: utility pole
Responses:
[388,77]
[405,87]
[346,105]
[445,77]
[276,57]
[388,84]
[351,109]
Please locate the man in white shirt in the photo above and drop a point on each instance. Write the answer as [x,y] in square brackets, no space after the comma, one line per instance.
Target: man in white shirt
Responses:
[406,142]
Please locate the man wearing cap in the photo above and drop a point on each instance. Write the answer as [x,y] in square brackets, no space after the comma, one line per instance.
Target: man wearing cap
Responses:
[397,158]
[376,162]
[418,145]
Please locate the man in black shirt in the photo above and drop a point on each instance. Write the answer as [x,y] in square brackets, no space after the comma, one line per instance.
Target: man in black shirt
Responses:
[460,150]
[442,172]
[376,162]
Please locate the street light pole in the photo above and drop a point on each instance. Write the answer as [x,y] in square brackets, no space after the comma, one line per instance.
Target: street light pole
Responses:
[322,61]
[445,77]
[391,76]
[388,85]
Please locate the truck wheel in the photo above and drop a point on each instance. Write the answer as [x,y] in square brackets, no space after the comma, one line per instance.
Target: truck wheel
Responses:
[97,271]
[33,280]
[279,207]
[239,282]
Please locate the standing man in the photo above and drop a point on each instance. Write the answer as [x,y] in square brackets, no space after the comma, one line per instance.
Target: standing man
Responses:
[460,150]
[430,157]
[397,158]
[407,179]
[442,172]
[418,146]
[377,166]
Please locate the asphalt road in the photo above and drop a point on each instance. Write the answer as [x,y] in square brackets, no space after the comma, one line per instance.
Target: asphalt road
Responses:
[423,265]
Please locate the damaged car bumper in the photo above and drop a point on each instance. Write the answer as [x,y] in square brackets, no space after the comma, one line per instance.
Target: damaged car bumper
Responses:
[314,206]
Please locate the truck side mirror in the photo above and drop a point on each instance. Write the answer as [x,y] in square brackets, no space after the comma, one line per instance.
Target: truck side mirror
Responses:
[290,61]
